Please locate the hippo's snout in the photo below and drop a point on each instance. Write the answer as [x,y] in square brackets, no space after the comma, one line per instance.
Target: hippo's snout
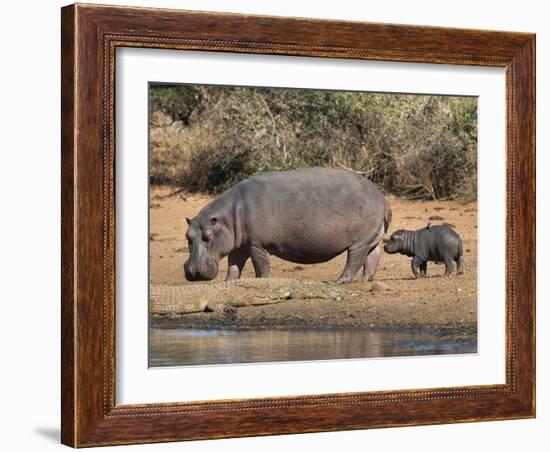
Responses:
[391,246]
[205,272]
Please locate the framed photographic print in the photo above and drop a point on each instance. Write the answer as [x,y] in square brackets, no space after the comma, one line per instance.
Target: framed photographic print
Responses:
[280,225]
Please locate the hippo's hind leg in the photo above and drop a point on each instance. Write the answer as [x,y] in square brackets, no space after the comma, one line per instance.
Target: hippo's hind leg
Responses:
[460,265]
[356,258]
[448,267]
[235,264]
[371,264]
[260,260]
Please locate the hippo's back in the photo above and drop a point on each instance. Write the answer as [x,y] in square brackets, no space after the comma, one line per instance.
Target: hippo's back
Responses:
[317,212]
[438,242]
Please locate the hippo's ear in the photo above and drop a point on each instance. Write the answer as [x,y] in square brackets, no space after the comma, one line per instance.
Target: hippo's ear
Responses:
[188,220]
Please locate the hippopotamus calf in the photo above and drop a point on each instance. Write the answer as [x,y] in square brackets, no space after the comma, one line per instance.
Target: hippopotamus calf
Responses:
[432,243]
[306,216]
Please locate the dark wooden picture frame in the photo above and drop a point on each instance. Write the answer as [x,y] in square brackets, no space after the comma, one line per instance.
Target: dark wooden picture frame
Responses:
[90,35]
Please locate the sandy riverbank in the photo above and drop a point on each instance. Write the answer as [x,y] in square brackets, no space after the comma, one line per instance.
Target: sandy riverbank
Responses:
[436,304]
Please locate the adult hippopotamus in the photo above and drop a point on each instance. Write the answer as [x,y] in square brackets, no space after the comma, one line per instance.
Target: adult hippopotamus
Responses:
[306,216]
[432,243]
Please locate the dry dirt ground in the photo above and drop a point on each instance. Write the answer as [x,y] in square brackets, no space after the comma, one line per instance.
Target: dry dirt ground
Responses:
[438,304]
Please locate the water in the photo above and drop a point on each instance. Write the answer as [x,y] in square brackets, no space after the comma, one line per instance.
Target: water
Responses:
[180,347]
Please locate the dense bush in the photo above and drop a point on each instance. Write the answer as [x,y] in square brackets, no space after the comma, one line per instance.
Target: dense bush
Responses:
[204,139]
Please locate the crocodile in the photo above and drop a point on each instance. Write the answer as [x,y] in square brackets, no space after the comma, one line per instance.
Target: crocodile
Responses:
[167,300]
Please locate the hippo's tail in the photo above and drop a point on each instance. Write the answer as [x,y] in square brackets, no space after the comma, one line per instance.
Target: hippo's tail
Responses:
[387,215]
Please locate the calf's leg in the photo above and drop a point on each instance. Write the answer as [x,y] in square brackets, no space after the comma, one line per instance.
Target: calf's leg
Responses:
[448,267]
[423,269]
[415,263]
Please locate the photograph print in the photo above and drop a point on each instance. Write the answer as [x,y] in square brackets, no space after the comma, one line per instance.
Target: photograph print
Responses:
[304,224]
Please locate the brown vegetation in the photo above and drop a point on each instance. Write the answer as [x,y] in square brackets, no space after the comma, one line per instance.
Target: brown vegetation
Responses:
[206,138]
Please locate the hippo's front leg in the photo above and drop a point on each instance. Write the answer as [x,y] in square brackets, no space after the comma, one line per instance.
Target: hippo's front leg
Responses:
[416,262]
[260,260]
[424,269]
[235,264]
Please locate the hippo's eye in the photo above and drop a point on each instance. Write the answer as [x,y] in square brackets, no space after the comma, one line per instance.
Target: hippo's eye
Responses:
[213,221]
